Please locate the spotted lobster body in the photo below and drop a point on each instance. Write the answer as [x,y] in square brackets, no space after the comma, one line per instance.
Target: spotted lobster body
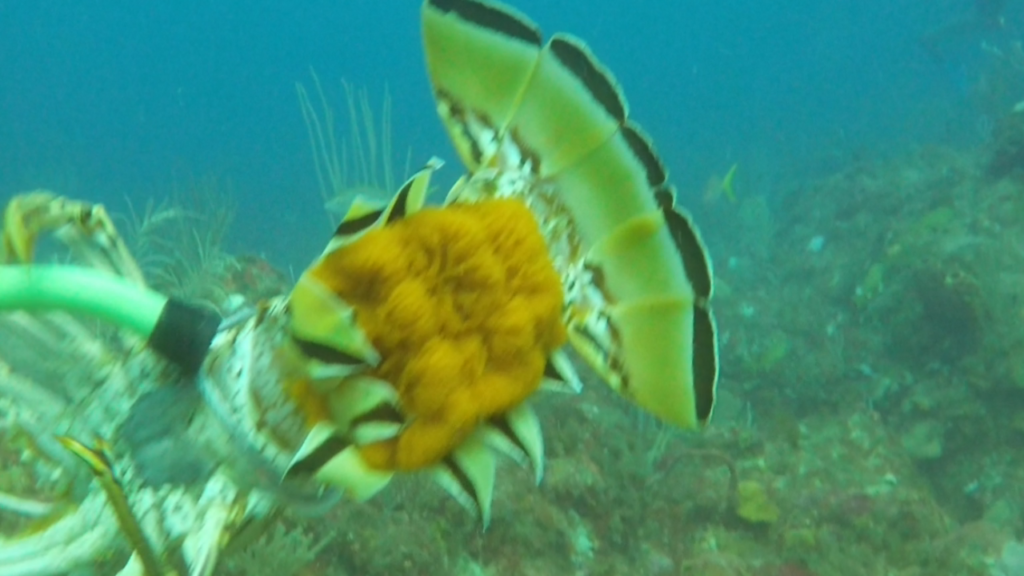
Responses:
[540,126]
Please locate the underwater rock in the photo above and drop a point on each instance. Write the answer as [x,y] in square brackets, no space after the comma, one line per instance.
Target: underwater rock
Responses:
[754,505]
[1003,513]
[1007,149]
[1012,561]
[941,321]
[924,440]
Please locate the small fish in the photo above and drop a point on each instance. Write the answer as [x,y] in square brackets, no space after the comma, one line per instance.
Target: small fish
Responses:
[718,187]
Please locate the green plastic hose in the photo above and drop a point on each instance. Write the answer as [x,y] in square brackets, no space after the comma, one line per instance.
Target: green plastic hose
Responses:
[83,291]
[179,331]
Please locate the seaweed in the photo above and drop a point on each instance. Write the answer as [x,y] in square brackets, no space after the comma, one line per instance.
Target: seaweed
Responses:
[179,242]
[361,164]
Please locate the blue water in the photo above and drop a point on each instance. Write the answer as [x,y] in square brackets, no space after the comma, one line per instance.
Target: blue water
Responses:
[115,100]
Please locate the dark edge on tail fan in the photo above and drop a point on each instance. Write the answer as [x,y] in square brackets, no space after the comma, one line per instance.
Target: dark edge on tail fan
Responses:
[357,225]
[692,250]
[501,424]
[383,413]
[398,208]
[463,480]
[705,362]
[326,354]
[318,458]
[643,149]
[490,17]
[578,60]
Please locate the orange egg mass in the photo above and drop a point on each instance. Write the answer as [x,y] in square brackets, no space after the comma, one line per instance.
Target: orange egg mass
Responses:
[464,306]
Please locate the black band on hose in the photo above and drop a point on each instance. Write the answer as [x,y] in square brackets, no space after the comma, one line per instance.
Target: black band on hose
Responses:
[183,334]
